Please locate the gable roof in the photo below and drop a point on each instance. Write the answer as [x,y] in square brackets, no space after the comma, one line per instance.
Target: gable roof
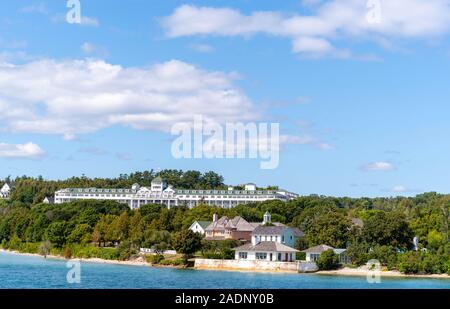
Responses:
[318,249]
[266,246]
[277,229]
[322,248]
[5,188]
[269,230]
[237,223]
[297,232]
[203,224]
[157,180]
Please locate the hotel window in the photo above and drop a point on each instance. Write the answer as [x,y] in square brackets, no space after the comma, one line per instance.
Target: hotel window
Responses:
[261,255]
[243,255]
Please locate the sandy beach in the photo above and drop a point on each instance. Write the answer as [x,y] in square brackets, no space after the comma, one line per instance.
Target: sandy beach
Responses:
[362,271]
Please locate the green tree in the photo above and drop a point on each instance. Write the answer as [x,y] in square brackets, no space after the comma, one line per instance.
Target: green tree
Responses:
[81,233]
[56,233]
[328,260]
[435,240]
[409,262]
[157,240]
[187,243]
[389,229]
[331,228]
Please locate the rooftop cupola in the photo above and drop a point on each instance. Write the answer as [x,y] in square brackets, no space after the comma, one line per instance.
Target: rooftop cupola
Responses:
[250,187]
[158,184]
[267,218]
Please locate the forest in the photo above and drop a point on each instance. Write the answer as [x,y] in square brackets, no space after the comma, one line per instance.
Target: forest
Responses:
[109,230]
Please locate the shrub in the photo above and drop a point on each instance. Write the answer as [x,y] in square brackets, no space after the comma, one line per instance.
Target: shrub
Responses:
[433,264]
[328,260]
[67,253]
[125,251]
[212,255]
[176,262]
[387,255]
[409,262]
[300,256]
[155,259]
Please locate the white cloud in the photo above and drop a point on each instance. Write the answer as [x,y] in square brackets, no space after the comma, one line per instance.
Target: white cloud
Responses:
[399,189]
[93,50]
[402,189]
[318,33]
[379,166]
[305,139]
[21,151]
[87,47]
[89,21]
[93,150]
[72,97]
[202,48]
[40,8]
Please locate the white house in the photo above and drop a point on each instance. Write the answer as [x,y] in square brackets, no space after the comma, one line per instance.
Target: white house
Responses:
[265,251]
[161,193]
[313,254]
[270,243]
[277,232]
[49,200]
[199,226]
[5,191]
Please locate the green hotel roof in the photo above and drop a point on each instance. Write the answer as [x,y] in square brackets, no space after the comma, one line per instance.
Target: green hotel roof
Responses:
[178,192]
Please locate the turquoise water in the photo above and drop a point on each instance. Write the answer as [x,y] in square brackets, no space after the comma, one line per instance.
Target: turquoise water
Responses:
[18,271]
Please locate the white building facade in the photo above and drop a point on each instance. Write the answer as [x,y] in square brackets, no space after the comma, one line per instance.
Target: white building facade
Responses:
[162,193]
[5,191]
[270,243]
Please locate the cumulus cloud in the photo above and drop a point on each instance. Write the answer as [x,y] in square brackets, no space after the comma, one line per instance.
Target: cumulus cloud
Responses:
[378,166]
[320,32]
[72,97]
[21,151]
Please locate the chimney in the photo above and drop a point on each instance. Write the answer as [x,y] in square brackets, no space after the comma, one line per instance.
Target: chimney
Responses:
[215,217]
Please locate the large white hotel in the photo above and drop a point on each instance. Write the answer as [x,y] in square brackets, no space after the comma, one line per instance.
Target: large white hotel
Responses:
[162,193]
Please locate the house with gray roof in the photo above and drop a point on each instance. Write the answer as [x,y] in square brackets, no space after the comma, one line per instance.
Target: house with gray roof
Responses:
[270,242]
[229,228]
[313,253]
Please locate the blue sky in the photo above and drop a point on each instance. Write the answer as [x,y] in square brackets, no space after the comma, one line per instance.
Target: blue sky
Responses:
[363,106]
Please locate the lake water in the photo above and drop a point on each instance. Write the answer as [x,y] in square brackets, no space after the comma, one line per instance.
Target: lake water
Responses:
[18,271]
